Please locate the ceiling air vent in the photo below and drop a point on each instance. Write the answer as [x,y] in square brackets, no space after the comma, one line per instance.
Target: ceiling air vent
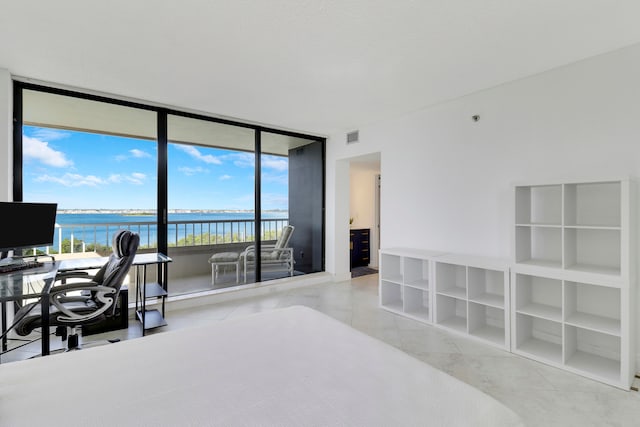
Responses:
[352,137]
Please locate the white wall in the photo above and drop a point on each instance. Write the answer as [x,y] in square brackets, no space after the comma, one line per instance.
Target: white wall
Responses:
[447,179]
[6,136]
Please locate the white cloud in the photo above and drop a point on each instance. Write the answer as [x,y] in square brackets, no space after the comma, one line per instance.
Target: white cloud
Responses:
[35,149]
[73,180]
[196,154]
[115,178]
[282,179]
[136,178]
[189,171]
[225,177]
[139,154]
[248,160]
[275,162]
[77,180]
[46,134]
[244,160]
[134,153]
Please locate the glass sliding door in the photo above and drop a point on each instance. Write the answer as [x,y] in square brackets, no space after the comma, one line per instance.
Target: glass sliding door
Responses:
[211,198]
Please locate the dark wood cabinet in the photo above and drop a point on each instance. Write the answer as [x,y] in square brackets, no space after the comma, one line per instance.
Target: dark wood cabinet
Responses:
[359,246]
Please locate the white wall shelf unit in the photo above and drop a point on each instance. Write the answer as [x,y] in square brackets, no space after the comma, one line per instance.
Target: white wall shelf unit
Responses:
[472,297]
[405,282]
[573,277]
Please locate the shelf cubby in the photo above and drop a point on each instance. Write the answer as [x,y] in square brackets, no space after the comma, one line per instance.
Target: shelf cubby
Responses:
[539,338]
[416,273]
[391,295]
[539,245]
[538,296]
[594,353]
[486,286]
[539,204]
[593,250]
[582,227]
[487,323]
[451,280]
[593,307]
[451,313]
[405,278]
[595,204]
[391,268]
[416,303]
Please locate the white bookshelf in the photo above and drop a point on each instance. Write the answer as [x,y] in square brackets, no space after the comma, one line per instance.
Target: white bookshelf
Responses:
[405,282]
[472,297]
[573,277]
[568,296]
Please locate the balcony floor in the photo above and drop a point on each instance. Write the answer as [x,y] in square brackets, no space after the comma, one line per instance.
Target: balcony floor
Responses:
[187,285]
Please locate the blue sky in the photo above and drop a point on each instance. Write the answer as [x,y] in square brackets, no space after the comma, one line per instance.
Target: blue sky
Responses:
[81,170]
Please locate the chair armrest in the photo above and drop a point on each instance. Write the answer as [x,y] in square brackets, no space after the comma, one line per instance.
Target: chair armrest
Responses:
[252,248]
[78,274]
[248,249]
[273,249]
[276,254]
[104,294]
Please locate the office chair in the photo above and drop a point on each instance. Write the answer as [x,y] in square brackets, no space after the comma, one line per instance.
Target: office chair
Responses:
[97,299]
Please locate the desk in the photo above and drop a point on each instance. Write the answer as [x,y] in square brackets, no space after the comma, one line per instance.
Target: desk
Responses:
[149,318]
[26,284]
[37,282]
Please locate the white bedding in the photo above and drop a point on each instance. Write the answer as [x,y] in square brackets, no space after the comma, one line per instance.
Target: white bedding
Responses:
[287,367]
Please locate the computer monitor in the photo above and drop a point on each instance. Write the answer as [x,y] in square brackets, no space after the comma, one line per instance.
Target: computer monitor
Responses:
[26,225]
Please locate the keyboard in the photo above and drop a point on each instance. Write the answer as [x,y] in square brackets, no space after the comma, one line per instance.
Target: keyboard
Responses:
[19,265]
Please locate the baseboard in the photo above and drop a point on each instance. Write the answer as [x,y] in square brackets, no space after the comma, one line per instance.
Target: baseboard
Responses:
[239,292]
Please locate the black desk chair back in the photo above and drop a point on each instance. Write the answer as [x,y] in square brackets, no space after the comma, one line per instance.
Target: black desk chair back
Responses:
[97,296]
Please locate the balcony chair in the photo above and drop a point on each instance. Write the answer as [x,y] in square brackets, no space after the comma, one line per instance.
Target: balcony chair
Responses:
[94,298]
[278,255]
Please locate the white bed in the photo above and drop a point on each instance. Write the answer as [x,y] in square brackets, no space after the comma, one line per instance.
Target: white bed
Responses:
[287,367]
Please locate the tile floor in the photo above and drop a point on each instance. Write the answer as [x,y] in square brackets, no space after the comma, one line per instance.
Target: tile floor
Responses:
[542,395]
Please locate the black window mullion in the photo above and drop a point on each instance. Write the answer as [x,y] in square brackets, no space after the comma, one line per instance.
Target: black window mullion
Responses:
[162,214]
[17,142]
[258,205]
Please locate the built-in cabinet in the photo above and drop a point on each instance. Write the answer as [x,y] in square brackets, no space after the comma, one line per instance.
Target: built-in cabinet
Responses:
[359,246]
[567,298]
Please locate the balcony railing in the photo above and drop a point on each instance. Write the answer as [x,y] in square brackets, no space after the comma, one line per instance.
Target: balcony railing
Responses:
[78,238]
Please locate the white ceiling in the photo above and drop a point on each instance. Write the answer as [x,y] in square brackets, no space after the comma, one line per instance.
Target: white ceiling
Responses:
[316,66]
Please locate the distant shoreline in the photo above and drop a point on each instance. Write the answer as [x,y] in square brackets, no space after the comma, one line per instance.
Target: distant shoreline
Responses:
[153,211]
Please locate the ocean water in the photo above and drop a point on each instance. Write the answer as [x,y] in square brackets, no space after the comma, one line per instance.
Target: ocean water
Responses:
[100,227]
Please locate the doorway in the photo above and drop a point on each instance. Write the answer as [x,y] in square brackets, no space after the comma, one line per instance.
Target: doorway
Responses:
[364,213]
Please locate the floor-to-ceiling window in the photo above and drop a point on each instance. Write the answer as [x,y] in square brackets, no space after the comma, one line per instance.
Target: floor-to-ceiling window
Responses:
[97,161]
[190,185]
